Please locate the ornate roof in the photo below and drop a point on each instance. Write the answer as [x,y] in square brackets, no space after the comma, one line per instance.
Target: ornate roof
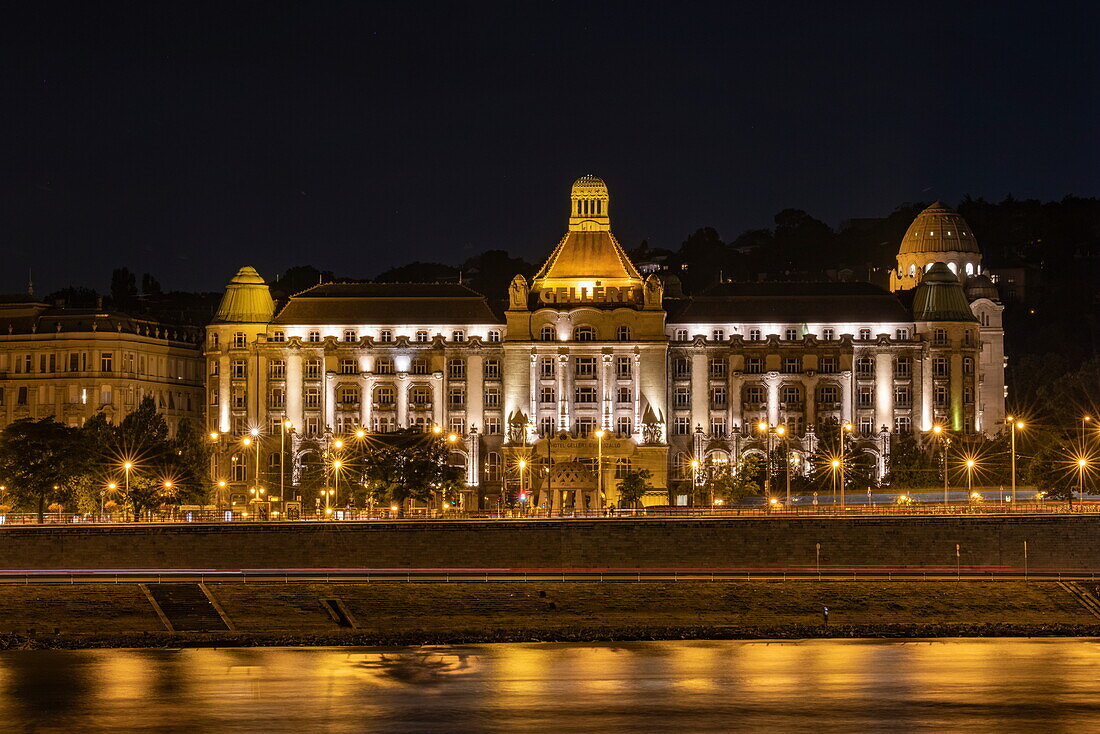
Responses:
[980,286]
[247,300]
[940,297]
[387,303]
[938,229]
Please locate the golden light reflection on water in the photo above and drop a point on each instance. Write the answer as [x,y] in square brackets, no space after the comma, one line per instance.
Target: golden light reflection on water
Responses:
[698,686]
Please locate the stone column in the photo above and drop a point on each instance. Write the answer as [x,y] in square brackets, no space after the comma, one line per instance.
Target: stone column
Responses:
[603,389]
[401,384]
[563,386]
[366,393]
[533,415]
[809,389]
[734,417]
[330,400]
[884,391]
[928,413]
[475,391]
[437,399]
[846,390]
[225,394]
[294,388]
[700,390]
[771,381]
[956,385]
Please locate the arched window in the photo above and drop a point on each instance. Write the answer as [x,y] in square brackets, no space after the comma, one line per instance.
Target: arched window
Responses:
[912,271]
[970,268]
[953,268]
[349,335]
[314,336]
[584,334]
[547,334]
[968,365]
[623,333]
[421,336]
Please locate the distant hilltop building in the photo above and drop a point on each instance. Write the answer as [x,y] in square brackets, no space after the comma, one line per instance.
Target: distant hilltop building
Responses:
[592,343]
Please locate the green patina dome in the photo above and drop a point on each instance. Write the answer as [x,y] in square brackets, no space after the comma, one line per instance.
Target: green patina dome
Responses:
[940,297]
[246,300]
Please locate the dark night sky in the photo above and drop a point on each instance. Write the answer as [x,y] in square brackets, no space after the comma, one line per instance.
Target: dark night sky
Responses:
[187,140]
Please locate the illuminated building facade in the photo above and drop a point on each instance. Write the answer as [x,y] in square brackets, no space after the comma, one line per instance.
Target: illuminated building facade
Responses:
[589,371]
[73,363]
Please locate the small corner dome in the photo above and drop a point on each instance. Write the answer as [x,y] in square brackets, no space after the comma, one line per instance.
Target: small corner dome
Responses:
[980,286]
[938,229]
[939,273]
[247,300]
[940,297]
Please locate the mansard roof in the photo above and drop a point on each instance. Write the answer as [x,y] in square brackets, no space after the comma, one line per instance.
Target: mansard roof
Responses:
[593,255]
[790,302]
[388,303]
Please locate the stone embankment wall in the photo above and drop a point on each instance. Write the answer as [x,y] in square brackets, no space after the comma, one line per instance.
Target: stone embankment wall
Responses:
[1067,542]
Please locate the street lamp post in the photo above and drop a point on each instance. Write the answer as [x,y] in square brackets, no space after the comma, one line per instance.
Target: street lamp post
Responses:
[695,479]
[1013,424]
[969,477]
[942,434]
[836,464]
[845,427]
[781,431]
[286,426]
[599,463]
[126,467]
[763,428]
[522,495]
[1081,464]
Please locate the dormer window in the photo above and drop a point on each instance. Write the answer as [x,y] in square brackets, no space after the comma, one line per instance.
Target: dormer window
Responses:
[314,336]
[623,333]
[718,335]
[385,336]
[865,334]
[493,335]
[547,334]
[278,336]
[239,340]
[754,335]
[790,334]
[349,335]
[584,334]
[681,335]
[458,335]
[421,336]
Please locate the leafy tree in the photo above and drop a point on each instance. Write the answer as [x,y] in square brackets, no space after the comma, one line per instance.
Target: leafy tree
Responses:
[733,487]
[407,465]
[912,463]
[150,286]
[38,455]
[633,485]
[191,462]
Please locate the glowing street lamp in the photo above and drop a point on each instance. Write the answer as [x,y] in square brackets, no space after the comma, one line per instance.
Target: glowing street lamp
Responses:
[1082,464]
[285,427]
[942,435]
[762,426]
[781,431]
[835,464]
[522,467]
[970,476]
[127,466]
[695,478]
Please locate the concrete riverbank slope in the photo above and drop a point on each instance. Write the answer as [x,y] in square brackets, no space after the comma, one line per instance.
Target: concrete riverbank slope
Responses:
[272,613]
[977,541]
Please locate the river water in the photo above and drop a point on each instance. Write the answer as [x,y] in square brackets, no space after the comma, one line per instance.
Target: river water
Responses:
[818,685]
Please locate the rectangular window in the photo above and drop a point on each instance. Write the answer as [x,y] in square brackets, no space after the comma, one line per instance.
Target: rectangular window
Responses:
[383,366]
[681,368]
[718,369]
[828,334]
[106,362]
[939,337]
[348,367]
[792,365]
[680,335]
[421,336]
[238,369]
[828,365]
[418,367]
[278,336]
[276,369]
[586,395]
[903,368]
[312,369]
[681,397]
[754,366]
[492,369]
[718,335]
[546,395]
[827,395]
[866,397]
[754,395]
[903,424]
[456,397]
[718,427]
[623,367]
[901,335]
[682,426]
[718,397]
[239,340]
[458,335]
[494,335]
[314,336]
[585,367]
[584,426]
[939,367]
[865,334]
[546,367]
[866,425]
[492,398]
[903,397]
[865,367]
[456,369]
[492,425]
[790,335]
[547,426]
[385,336]
[754,335]
[624,396]
[791,397]
[312,397]
[940,396]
